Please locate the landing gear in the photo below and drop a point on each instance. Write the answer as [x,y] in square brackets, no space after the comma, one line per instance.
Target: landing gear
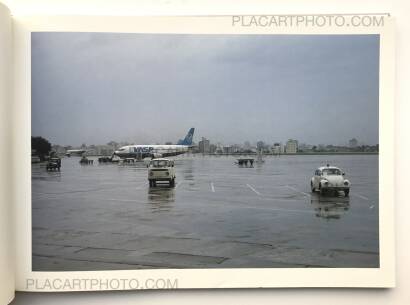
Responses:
[152,183]
[172,182]
[346,193]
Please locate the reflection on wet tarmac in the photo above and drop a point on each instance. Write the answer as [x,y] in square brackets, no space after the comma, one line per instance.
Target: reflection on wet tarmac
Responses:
[188,170]
[161,197]
[328,207]
[39,172]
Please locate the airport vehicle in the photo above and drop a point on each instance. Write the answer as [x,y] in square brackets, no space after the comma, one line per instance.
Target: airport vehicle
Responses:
[85,160]
[244,162]
[104,159]
[156,151]
[75,152]
[53,164]
[161,169]
[329,179]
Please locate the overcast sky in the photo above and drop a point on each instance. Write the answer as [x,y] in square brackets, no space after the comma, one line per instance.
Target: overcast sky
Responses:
[143,88]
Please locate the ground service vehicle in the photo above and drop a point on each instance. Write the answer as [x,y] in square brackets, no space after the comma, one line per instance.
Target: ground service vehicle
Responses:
[161,169]
[53,164]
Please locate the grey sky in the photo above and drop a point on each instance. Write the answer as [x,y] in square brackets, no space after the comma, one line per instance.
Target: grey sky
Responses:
[143,88]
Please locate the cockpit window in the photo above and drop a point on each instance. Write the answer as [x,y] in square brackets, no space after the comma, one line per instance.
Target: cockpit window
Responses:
[331,171]
[159,163]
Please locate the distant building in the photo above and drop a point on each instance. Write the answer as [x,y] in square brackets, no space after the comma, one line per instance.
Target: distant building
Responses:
[353,143]
[228,149]
[219,148]
[204,146]
[304,147]
[212,148]
[291,146]
[236,148]
[277,148]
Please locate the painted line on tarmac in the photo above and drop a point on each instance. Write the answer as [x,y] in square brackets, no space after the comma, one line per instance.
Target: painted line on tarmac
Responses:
[120,200]
[362,197]
[179,183]
[212,187]
[253,189]
[296,190]
[371,207]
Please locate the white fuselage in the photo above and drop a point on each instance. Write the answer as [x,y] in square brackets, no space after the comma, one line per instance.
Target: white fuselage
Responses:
[144,151]
[76,152]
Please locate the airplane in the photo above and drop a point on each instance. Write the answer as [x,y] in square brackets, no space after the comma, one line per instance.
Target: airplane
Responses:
[75,152]
[156,151]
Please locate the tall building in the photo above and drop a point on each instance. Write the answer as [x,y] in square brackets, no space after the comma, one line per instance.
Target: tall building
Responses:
[353,143]
[291,146]
[204,146]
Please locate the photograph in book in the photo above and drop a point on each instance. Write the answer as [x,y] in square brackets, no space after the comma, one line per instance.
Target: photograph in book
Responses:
[204,151]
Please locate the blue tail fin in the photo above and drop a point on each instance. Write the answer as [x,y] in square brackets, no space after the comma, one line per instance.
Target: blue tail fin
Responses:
[188,138]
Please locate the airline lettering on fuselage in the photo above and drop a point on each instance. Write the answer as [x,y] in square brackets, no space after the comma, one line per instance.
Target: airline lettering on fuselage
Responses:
[144,149]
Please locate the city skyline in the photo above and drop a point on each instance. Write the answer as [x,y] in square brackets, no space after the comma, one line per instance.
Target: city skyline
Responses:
[142,88]
[245,144]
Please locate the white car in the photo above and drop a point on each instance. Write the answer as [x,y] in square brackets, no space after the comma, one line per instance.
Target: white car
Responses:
[329,179]
[161,170]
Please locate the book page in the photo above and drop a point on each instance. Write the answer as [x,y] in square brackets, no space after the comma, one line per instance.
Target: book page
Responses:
[266,206]
[6,225]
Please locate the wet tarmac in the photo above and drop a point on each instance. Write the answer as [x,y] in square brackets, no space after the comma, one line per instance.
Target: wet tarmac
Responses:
[219,215]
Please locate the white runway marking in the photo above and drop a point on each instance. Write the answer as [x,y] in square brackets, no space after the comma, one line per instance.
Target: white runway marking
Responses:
[360,196]
[178,184]
[120,200]
[256,192]
[212,187]
[371,207]
[296,190]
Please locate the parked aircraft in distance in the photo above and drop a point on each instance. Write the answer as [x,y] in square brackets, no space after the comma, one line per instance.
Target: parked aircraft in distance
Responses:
[75,152]
[156,151]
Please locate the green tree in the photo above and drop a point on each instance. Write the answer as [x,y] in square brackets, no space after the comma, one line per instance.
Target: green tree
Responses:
[41,146]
